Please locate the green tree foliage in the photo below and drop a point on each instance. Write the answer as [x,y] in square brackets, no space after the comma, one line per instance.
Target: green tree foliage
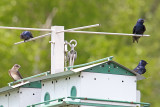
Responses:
[114,16]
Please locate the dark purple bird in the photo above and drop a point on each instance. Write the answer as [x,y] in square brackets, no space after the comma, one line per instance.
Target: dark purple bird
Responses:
[139,28]
[140,69]
[26,35]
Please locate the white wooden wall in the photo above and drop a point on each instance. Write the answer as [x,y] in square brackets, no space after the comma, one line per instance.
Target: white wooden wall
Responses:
[60,87]
[14,99]
[21,97]
[108,86]
[93,85]
[29,96]
[4,99]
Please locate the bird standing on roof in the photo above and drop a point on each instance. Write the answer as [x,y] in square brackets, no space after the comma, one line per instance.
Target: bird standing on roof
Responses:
[139,28]
[140,69]
[14,73]
[26,35]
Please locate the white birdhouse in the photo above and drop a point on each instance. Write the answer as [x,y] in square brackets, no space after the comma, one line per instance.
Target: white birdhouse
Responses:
[109,81]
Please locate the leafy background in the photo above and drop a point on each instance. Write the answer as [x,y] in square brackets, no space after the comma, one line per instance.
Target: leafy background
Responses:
[117,16]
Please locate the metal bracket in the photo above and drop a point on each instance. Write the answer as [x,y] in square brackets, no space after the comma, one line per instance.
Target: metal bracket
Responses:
[52,42]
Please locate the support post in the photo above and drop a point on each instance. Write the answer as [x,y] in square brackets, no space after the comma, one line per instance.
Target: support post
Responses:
[57,50]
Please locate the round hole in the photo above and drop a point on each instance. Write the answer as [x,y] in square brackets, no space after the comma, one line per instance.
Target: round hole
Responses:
[94,78]
[56,81]
[69,78]
[33,94]
[122,81]
[108,70]
[79,75]
[43,84]
[102,66]
[66,78]
[73,92]
[46,98]
[52,82]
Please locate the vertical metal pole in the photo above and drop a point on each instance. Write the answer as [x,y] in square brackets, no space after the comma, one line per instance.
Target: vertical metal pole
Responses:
[57,50]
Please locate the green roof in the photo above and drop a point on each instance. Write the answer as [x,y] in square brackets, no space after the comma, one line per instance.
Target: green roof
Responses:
[109,67]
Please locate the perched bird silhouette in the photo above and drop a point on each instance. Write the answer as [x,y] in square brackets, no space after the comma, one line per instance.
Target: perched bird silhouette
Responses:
[26,35]
[139,28]
[14,73]
[140,69]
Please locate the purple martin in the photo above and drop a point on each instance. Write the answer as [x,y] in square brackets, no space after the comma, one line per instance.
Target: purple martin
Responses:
[139,28]
[140,69]
[14,73]
[26,35]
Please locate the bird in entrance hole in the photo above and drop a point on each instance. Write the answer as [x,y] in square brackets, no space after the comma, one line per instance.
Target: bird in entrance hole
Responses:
[139,28]
[26,35]
[140,69]
[14,73]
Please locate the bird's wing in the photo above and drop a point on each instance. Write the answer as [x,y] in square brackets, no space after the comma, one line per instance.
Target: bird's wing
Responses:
[136,69]
[9,72]
[19,75]
[142,68]
[134,29]
[31,36]
[144,28]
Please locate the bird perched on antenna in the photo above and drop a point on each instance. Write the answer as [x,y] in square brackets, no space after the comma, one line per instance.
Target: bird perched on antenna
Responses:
[139,28]
[140,69]
[26,35]
[14,73]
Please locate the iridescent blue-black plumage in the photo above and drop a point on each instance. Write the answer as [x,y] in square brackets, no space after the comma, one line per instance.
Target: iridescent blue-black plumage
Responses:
[139,28]
[26,35]
[141,67]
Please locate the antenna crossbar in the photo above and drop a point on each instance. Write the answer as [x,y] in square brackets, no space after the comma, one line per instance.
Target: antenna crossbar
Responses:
[106,33]
[78,28]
